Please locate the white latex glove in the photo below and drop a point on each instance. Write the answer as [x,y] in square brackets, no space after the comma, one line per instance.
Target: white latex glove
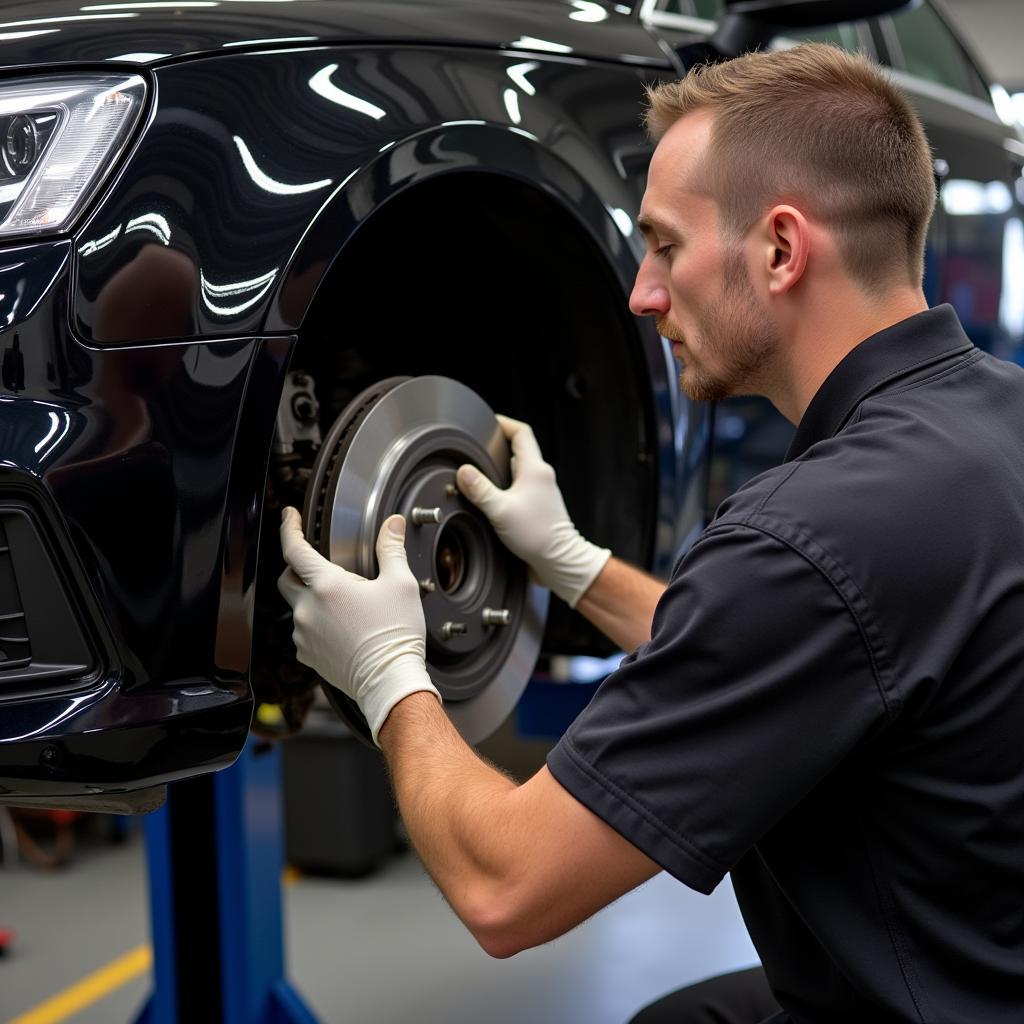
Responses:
[366,637]
[531,519]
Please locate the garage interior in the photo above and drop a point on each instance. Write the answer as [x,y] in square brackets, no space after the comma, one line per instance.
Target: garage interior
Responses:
[367,936]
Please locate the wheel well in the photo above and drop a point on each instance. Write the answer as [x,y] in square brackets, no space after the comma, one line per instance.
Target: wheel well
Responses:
[490,281]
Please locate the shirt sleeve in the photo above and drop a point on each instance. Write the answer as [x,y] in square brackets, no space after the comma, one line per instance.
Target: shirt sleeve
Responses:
[756,684]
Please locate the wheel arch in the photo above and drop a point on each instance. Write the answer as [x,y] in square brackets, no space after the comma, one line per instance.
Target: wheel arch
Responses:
[483,241]
[454,147]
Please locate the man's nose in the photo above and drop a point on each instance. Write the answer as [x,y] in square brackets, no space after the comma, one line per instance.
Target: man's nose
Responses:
[649,297]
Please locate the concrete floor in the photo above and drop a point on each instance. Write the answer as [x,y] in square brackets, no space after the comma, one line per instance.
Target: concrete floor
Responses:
[375,951]
[71,922]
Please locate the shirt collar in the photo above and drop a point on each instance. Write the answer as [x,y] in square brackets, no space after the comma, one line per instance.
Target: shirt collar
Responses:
[877,364]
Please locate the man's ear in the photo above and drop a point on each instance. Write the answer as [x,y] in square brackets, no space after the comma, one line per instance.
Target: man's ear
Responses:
[787,247]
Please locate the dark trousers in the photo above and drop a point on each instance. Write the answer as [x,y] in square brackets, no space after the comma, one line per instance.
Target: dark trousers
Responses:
[740,998]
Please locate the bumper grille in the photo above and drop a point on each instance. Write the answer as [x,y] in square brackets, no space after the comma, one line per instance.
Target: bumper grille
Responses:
[15,649]
[42,643]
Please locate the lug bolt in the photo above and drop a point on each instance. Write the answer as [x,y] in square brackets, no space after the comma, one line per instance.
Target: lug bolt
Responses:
[450,629]
[428,586]
[497,617]
[425,515]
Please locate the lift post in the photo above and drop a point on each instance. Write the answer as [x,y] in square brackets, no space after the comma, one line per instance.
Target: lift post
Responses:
[215,853]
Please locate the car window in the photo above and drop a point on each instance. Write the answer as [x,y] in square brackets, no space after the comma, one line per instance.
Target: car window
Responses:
[708,9]
[931,51]
[845,35]
[979,86]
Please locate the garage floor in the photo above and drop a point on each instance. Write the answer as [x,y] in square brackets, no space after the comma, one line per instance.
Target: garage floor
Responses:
[376,951]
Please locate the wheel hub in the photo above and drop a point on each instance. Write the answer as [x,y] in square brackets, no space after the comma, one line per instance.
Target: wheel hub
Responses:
[395,448]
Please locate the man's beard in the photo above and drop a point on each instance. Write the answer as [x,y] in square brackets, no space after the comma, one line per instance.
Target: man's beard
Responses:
[735,332]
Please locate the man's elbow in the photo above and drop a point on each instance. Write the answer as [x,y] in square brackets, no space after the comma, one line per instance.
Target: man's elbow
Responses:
[500,945]
[503,926]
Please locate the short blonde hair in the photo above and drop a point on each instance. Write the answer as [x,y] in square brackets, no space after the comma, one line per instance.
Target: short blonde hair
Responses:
[820,126]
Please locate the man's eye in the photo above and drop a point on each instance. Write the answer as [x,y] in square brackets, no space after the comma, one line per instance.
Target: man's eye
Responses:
[664,251]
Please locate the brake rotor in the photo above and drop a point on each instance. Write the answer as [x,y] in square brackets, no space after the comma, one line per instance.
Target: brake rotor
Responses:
[395,448]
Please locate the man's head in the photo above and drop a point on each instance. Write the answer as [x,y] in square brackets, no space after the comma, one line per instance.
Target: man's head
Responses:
[775,162]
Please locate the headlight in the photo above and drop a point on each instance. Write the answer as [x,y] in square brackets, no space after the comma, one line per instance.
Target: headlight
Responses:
[58,135]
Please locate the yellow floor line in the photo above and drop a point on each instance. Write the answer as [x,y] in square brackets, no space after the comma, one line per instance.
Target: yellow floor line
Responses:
[91,989]
[98,985]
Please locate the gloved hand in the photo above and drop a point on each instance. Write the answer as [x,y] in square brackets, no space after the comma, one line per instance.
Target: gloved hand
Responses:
[531,519]
[366,637]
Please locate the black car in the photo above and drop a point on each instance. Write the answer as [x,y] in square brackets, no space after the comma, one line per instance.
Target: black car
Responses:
[257,254]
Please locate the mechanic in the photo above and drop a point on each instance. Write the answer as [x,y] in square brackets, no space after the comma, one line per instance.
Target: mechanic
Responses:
[827,700]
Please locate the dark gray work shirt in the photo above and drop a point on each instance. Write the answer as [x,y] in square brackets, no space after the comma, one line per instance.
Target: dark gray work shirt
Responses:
[831,706]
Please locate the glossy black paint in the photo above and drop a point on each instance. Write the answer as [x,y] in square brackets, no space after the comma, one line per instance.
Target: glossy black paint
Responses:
[69,34]
[150,464]
[273,171]
[27,273]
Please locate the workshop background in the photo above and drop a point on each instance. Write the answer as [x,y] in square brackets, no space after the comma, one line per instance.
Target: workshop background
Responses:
[367,936]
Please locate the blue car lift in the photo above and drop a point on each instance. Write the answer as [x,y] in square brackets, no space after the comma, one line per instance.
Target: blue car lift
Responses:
[215,853]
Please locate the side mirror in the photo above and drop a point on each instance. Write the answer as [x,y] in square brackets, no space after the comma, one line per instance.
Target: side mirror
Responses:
[748,24]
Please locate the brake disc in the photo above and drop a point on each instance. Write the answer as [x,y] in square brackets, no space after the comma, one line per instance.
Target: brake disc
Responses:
[395,448]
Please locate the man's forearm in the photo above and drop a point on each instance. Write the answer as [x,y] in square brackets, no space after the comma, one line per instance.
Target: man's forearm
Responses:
[621,603]
[454,806]
[520,865]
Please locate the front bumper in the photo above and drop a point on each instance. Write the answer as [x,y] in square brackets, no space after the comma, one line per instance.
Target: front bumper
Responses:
[131,485]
